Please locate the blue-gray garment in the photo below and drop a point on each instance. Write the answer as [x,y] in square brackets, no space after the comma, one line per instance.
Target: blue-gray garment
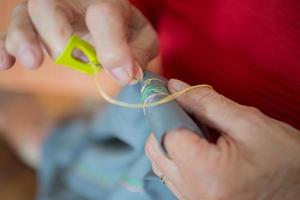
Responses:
[104,158]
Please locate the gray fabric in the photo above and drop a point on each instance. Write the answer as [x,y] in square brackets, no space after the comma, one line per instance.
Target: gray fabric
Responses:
[165,117]
[104,158]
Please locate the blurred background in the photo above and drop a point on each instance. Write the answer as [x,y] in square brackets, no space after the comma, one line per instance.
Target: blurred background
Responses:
[29,101]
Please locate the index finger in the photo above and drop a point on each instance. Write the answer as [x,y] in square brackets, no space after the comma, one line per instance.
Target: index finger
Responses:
[219,112]
[107,21]
[51,19]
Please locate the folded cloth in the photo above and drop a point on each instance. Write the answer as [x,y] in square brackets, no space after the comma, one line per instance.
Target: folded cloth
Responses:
[102,158]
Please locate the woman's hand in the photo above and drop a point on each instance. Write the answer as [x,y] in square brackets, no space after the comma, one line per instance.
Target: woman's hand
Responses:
[125,41]
[256,157]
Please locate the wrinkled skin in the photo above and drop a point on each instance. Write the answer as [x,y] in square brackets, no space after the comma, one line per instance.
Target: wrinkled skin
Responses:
[124,39]
[256,157]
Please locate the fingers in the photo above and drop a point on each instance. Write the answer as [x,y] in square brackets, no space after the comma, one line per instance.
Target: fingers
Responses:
[183,147]
[216,110]
[107,21]
[22,41]
[143,40]
[52,20]
[6,60]
[167,182]
[124,39]
[163,164]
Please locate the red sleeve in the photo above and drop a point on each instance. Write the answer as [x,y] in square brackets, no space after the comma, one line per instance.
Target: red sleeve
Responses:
[152,9]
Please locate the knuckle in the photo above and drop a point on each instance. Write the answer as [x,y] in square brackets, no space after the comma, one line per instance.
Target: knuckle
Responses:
[38,3]
[35,5]
[252,110]
[16,37]
[104,8]
[8,47]
[107,9]
[112,57]
[249,119]
[19,8]
[107,57]
[219,191]
[15,32]
[251,113]
[203,95]
[11,41]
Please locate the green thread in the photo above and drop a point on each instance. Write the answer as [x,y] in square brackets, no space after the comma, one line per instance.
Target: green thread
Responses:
[108,180]
[133,182]
[149,90]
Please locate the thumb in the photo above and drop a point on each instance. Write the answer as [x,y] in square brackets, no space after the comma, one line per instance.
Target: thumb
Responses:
[215,110]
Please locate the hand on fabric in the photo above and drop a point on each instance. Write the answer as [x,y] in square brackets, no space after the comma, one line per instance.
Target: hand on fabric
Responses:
[256,157]
[125,41]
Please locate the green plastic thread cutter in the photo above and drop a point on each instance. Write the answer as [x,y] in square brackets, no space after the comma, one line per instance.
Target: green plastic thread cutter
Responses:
[92,67]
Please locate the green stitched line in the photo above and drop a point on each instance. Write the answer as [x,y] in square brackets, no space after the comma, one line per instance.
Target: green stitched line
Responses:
[99,179]
[108,180]
[133,182]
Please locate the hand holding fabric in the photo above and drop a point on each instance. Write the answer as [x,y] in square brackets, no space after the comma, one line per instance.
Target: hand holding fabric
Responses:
[256,157]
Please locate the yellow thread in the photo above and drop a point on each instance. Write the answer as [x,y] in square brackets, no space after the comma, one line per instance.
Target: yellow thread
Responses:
[93,67]
[167,99]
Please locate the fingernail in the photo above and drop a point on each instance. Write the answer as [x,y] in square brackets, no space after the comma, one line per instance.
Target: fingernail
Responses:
[27,57]
[177,85]
[138,74]
[120,74]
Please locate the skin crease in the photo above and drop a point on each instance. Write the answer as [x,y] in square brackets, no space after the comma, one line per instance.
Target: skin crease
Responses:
[256,157]
[115,27]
